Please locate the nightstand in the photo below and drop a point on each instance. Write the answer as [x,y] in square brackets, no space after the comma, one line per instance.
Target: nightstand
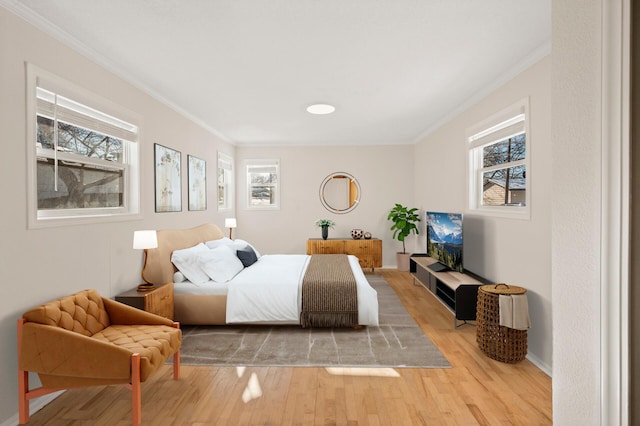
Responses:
[158,301]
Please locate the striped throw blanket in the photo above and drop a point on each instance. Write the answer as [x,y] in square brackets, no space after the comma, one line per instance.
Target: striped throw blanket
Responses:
[329,293]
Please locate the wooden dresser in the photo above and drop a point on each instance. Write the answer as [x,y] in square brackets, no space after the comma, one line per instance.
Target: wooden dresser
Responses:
[368,252]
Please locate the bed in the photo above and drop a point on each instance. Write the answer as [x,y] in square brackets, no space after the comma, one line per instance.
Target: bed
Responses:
[268,291]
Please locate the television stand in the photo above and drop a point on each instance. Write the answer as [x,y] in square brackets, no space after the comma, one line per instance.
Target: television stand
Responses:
[457,291]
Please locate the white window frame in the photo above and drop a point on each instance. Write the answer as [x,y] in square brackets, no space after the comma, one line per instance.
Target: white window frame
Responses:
[509,122]
[261,163]
[225,165]
[87,105]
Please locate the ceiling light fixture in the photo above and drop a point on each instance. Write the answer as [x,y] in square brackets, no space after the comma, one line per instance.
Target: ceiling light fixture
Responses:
[320,109]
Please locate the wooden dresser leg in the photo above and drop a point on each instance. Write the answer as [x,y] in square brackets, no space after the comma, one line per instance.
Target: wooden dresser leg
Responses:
[136,401]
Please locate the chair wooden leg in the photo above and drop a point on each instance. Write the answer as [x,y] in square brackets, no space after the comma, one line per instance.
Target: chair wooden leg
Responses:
[176,365]
[23,383]
[136,401]
[23,402]
[24,393]
[176,358]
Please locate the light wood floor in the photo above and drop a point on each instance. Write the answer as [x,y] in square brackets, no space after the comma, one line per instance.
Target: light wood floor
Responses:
[475,391]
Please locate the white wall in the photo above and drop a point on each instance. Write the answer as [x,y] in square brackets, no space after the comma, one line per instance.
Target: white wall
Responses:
[512,251]
[577,147]
[385,175]
[39,265]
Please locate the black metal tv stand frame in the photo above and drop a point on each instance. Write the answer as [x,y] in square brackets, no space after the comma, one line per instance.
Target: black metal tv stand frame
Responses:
[458,291]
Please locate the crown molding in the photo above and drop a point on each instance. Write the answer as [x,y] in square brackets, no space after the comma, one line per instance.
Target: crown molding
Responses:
[68,40]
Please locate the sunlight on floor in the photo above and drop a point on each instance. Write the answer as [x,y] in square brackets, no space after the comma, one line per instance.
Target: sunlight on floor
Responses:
[240,371]
[253,389]
[371,372]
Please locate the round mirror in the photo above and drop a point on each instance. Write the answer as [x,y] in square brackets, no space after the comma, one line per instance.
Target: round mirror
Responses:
[340,192]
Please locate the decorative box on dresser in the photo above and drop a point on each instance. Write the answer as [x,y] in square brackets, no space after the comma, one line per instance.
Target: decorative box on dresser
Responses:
[158,300]
[368,251]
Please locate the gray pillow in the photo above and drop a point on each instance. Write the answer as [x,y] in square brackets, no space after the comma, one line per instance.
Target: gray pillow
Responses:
[247,256]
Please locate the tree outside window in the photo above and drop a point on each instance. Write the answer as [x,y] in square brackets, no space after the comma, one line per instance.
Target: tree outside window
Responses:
[67,179]
[504,184]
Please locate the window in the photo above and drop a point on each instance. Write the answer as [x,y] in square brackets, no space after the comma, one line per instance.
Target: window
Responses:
[263,184]
[498,164]
[83,165]
[225,182]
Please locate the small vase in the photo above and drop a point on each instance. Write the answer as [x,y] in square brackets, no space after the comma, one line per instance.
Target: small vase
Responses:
[356,234]
[325,232]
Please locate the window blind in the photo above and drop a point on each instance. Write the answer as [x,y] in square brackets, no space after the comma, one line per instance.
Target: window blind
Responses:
[54,106]
[501,131]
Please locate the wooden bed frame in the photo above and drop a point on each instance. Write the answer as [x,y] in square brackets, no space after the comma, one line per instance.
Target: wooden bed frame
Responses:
[158,269]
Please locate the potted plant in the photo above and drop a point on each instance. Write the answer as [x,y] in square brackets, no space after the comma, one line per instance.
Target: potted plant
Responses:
[404,223]
[325,224]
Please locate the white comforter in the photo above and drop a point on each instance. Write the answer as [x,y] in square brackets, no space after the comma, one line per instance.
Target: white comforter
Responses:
[270,291]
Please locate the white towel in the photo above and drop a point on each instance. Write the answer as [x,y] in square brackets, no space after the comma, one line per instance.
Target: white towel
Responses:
[514,311]
[506,310]
[521,319]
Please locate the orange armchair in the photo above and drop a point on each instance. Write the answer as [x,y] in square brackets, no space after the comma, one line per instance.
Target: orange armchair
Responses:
[85,340]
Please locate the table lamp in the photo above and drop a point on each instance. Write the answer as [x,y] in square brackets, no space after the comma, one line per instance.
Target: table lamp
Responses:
[144,240]
[230,223]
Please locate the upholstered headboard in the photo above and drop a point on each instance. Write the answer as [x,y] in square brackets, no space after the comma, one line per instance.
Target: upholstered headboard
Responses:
[158,268]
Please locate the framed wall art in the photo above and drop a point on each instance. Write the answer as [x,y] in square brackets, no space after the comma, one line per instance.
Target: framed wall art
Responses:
[197,179]
[168,179]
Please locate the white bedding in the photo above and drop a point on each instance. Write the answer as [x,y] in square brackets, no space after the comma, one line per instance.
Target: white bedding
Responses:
[269,291]
[210,287]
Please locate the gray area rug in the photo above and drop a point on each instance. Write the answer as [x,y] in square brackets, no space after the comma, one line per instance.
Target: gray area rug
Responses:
[397,342]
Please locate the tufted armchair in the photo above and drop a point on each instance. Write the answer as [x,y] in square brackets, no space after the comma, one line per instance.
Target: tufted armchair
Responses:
[85,339]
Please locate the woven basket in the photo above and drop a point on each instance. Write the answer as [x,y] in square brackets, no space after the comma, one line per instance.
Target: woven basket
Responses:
[500,343]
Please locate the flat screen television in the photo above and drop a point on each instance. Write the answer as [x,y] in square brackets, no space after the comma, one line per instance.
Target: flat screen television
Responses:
[444,241]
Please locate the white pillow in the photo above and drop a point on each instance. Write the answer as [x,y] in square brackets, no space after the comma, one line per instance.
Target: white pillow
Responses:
[219,242]
[186,262]
[240,244]
[234,244]
[220,264]
[178,277]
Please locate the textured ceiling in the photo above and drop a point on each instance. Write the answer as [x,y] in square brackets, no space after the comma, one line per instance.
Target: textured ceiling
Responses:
[247,69]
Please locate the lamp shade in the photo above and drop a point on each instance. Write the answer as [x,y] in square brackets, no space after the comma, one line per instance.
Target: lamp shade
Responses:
[145,240]
[230,222]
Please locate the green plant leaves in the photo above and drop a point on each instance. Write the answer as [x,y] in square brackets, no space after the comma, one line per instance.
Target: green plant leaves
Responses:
[404,222]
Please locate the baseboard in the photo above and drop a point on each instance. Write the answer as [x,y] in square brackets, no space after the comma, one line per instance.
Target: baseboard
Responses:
[541,365]
[35,405]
